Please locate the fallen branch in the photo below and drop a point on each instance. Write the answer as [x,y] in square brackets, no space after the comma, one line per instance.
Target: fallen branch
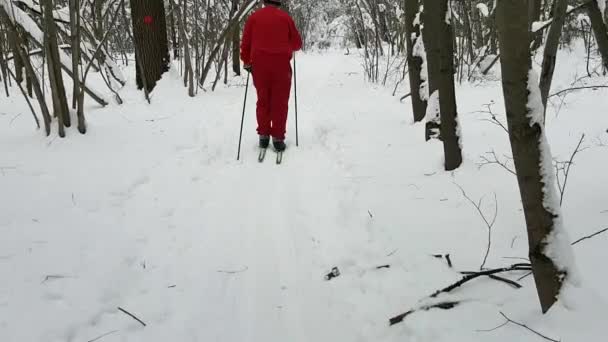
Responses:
[495,277]
[469,277]
[577,88]
[132,316]
[443,305]
[521,325]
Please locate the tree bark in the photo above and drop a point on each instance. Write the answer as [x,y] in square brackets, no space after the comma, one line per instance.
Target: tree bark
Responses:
[60,103]
[236,43]
[550,54]
[432,16]
[414,63]
[526,136]
[46,115]
[75,48]
[150,39]
[534,11]
[599,30]
[447,97]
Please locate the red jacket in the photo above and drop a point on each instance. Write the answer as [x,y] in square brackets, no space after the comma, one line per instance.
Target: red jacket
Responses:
[270,30]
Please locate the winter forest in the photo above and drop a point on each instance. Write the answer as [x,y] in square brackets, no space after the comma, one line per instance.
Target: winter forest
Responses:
[445,176]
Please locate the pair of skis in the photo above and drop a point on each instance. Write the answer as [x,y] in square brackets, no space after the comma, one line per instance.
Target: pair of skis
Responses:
[262,156]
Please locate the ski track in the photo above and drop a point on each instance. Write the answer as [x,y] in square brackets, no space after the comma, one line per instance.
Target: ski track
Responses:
[204,248]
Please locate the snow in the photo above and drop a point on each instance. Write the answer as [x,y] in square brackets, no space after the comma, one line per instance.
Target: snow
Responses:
[483,9]
[558,247]
[538,25]
[419,51]
[150,211]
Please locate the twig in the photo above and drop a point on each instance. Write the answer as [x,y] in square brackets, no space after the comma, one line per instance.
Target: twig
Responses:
[104,335]
[493,329]
[469,277]
[590,236]
[524,276]
[132,316]
[53,277]
[577,88]
[234,272]
[489,224]
[443,305]
[527,328]
[495,160]
[564,167]
[494,119]
[405,97]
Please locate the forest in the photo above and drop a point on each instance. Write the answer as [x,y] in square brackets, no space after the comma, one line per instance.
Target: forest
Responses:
[442,155]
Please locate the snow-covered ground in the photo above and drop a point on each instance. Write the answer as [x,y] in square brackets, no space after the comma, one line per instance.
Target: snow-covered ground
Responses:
[151,212]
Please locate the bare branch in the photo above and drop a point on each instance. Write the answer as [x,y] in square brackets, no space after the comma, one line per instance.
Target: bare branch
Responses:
[132,316]
[527,328]
[489,223]
[493,159]
[567,91]
[590,236]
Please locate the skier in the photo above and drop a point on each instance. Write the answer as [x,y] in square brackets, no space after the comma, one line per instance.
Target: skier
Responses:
[269,40]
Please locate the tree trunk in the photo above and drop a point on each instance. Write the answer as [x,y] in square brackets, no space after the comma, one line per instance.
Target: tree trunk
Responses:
[414,63]
[432,16]
[599,30]
[236,43]
[17,61]
[30,70]
[174,39]
[528,143]
[550,54]
[450,129]
[60,103]
[189,73]
[150,39]
[75,38]
[534,11]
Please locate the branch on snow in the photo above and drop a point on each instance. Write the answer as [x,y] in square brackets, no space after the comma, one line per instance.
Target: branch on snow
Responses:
[489,223]
[590,236]
[559,93]
[132,316]
[442,305]
[508,320]
[469,276]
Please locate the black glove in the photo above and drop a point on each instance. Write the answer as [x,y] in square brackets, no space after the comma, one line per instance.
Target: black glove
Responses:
[248,67]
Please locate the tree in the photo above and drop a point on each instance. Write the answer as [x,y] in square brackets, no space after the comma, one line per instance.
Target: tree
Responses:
[430,33]
[599,29]
[414,63]
[447,98]
[550,54]
[150,39]
[60,103]
[531,154]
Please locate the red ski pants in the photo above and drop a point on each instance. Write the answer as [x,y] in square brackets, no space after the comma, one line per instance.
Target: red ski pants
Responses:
[272,80]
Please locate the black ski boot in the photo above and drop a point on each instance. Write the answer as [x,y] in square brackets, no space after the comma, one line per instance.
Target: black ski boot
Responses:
[279,145]
[264,141]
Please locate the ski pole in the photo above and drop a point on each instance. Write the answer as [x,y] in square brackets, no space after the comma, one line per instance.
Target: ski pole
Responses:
[295,83]
[238,155]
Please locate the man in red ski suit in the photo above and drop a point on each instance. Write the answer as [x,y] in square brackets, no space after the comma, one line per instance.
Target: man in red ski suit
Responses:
[269,40]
